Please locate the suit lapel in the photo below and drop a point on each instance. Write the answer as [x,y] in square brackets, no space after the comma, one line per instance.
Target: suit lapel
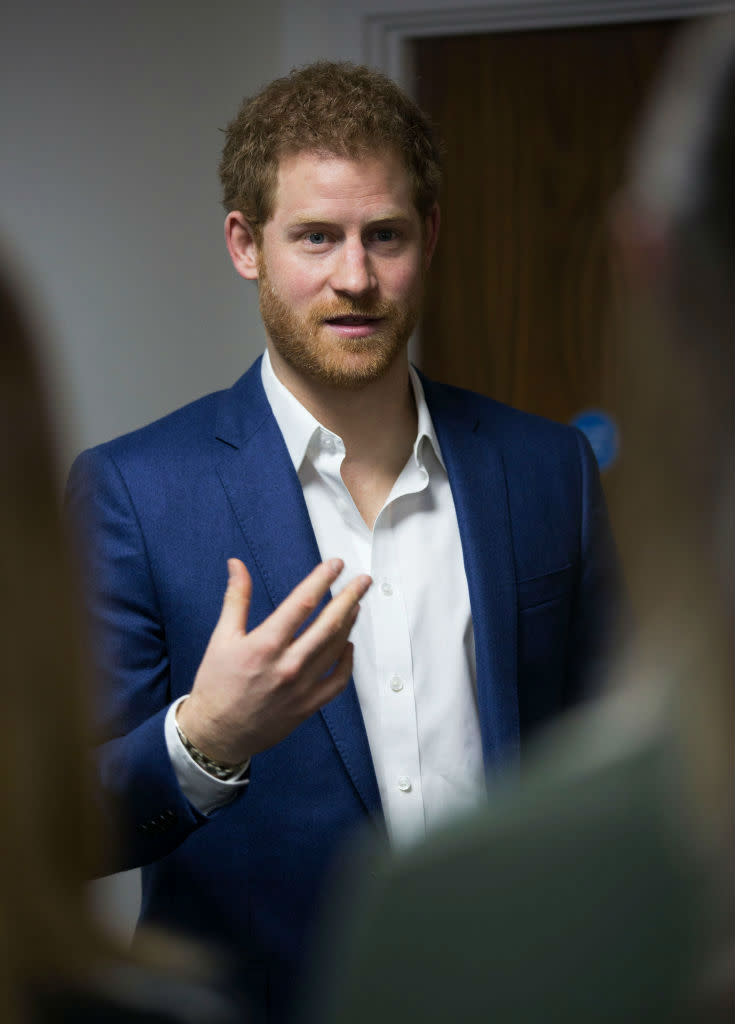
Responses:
[266,496]
[477,477]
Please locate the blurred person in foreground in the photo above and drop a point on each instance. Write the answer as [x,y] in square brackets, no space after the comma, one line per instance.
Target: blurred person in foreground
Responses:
[602,889]
[56,962]
[243,762]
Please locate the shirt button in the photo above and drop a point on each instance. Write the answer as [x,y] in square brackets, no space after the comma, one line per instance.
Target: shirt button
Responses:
[404,783]
[386,588]
[396,684]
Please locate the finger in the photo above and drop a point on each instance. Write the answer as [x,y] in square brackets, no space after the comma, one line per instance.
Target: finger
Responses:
[316,661]
[333,623]
[301,602]
[335,682]
[236,603]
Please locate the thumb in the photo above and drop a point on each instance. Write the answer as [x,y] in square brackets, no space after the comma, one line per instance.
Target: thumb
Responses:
[236,604]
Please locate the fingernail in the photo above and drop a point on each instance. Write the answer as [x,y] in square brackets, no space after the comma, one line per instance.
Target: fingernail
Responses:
[230,567]
[336,565]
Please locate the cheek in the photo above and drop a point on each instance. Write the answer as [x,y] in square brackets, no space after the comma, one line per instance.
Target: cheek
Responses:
[297,284]
[405,280]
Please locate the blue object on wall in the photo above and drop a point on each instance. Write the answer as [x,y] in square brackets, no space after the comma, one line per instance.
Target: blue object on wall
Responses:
[602,433]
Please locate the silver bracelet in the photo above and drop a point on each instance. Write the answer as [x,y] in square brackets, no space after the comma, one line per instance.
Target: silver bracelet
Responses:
[220,771]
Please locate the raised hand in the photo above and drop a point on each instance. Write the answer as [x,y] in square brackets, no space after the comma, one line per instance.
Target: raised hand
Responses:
[253,689]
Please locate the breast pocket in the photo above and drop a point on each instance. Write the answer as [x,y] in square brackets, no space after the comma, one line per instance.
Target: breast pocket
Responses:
[543,628]
[540,589]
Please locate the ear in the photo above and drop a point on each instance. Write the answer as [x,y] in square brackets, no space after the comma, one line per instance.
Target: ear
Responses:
[431,234]
[241,245]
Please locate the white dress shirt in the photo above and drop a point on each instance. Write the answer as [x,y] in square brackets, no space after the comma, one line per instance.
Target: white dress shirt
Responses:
[414,660]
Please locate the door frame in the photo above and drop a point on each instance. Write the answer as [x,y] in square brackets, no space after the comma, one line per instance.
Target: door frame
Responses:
[386,37]
[365,32]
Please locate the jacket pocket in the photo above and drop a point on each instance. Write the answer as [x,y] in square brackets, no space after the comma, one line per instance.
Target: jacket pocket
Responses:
[539,590]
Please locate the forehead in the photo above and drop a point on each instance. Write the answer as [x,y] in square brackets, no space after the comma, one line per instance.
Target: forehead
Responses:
[322,185]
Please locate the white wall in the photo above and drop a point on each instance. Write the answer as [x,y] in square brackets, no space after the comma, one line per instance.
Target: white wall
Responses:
[109,198]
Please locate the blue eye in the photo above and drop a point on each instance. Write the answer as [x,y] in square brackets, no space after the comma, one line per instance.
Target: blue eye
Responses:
[317,237]
[385,235]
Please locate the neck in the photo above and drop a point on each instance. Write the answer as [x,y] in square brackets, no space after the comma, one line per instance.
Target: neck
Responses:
[377,422]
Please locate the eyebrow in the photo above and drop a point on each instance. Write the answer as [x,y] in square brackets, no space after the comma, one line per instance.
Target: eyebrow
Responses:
[312,221]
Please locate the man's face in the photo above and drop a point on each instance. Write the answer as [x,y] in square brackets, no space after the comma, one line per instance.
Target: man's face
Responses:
[341,266]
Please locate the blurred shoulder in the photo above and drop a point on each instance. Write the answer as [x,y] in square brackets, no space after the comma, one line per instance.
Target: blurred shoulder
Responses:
[129,994]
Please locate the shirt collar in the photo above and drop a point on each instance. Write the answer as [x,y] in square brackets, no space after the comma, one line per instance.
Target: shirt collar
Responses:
[425,430]
[296,423]
[298,426]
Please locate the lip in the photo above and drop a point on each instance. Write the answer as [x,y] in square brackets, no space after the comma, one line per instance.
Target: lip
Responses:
[354,327]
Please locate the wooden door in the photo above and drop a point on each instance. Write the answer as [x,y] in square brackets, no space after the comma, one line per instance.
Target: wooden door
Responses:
[536,127]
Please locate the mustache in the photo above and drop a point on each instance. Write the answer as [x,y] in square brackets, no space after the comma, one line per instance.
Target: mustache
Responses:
[345,307]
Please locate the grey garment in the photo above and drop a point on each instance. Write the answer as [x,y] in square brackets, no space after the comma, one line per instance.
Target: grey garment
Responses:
[573,898]
[129,994]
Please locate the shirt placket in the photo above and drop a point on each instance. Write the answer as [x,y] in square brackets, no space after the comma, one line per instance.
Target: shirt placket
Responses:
[401,769]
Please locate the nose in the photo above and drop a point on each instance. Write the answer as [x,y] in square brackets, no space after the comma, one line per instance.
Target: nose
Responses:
[352,273]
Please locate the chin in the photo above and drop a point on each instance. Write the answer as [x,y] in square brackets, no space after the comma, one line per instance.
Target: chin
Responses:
[352,371]
[345,364]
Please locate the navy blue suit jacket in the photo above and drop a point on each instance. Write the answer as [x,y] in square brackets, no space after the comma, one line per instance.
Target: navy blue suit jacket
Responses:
[164,507]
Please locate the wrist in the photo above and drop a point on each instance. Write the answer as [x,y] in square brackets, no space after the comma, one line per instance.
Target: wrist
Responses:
[208,754]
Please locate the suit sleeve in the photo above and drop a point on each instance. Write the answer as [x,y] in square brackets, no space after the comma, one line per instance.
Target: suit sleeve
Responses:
[599,606]
[145,812]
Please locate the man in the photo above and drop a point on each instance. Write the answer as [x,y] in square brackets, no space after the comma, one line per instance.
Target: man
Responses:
[240,770]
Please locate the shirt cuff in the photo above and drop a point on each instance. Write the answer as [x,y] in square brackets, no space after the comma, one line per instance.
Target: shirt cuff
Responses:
[202,790]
